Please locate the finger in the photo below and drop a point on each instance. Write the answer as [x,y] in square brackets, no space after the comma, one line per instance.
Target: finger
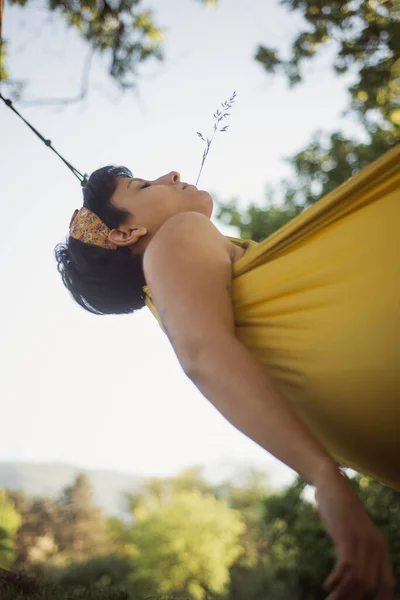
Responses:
[337,575]
[347,589]
[387,582]
[368,572]
[371,579]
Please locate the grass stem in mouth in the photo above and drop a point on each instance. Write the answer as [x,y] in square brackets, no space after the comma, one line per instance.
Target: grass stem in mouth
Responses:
[219,116]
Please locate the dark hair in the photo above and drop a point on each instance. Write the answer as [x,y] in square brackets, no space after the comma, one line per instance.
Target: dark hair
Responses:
[102,281]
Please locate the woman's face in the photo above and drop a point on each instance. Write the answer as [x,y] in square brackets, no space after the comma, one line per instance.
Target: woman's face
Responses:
[151,203]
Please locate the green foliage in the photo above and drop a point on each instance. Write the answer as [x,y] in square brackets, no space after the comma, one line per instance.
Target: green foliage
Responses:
[3,70]
[117,534]
[54,532]
[123,31]
[330,160]
[19,586]
[185,545]
[98,572]
[301,554]
[189,479]
[189,540]
[10,521]
[364,35]
[383,505]
[83,526]
[258,223]
[247,574]
[36,539]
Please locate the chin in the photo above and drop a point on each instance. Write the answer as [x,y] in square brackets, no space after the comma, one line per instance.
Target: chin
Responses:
[207,203]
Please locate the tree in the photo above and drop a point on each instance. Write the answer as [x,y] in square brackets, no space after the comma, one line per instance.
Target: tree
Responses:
[118,538]
[82,525]
[122,31]
[328,161]
[10,521]
[184,546]
[190,479]
[36,540]
[300,552]
[247,574]
[100,572]
[301,555]
[258,223]
[383,505]
[161,489]
[364,34]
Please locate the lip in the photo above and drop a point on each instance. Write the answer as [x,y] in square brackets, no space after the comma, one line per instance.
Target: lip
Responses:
[185,185]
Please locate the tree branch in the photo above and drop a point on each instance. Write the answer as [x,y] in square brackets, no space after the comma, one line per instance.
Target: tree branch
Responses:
[74,99]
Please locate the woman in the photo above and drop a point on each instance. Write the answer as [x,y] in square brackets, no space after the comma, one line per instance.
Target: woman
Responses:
[133,232]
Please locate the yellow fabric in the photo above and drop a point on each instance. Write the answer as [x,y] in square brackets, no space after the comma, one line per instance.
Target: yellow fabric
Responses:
[318,303]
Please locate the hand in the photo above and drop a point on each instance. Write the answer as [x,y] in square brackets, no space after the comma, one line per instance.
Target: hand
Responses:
[363,569]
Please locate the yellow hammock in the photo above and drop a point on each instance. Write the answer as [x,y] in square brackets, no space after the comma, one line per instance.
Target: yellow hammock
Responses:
[318,302]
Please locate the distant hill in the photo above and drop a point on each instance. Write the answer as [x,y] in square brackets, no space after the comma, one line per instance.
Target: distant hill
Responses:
[37,479]
[48,479]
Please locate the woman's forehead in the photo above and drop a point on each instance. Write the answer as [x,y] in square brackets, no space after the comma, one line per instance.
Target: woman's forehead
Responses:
[123,186]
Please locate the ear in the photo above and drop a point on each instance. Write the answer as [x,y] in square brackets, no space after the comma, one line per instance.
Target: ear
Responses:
[126,235]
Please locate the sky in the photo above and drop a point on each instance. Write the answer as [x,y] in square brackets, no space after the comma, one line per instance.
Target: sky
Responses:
[108,392]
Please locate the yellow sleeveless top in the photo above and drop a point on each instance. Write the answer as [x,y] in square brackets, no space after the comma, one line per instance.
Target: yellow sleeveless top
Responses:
[318,302]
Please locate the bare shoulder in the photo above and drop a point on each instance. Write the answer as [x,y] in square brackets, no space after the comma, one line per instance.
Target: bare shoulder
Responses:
[182,242]
[190,229]
[188,268]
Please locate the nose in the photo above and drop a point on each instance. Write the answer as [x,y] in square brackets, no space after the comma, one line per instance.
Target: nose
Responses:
[169,179]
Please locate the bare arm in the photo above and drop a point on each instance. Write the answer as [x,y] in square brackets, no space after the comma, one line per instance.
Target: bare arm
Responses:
[189,272]
[238,386]
[188,269]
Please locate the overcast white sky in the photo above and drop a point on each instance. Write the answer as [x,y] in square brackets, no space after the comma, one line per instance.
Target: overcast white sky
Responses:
[108,391]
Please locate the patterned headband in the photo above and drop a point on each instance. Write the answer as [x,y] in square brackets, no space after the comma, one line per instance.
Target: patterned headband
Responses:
[86,227]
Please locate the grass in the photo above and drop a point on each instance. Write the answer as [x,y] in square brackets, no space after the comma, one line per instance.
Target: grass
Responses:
[219,116]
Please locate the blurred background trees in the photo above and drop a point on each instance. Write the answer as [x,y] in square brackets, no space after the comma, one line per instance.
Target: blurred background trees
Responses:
[10,522]
[363,36]
[183,537]
[123,32]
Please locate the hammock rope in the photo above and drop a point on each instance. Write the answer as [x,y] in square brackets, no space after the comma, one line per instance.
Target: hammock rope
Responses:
[82,177]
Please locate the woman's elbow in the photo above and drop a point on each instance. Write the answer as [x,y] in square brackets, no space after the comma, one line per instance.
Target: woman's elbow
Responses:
[201,358]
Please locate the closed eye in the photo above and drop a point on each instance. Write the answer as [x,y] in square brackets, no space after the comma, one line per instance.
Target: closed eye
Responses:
[145,185]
